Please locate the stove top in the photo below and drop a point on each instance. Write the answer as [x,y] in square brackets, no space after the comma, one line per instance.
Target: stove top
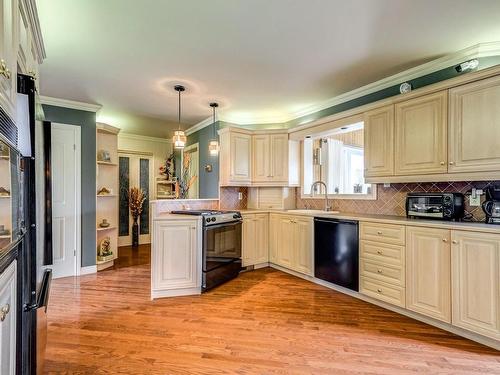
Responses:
[212,217]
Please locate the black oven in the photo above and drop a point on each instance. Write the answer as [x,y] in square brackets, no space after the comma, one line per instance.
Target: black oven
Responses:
[221,253]
[440,206]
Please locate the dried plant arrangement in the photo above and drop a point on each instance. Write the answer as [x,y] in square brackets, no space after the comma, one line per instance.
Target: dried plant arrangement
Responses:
[136,198]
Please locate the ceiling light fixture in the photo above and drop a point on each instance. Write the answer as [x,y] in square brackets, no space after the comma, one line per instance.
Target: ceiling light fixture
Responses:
[179,138]
[213,145]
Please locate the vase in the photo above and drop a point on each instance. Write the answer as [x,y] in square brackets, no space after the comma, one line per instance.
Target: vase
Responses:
[135,233]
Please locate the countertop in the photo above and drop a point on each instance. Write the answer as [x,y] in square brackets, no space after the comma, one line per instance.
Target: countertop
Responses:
[386,219]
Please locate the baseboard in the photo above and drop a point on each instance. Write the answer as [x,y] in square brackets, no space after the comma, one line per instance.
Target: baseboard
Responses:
[175,292]
[433,322]
[88,270]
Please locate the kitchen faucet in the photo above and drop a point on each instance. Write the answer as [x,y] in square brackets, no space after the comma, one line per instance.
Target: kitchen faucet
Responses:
[327,207]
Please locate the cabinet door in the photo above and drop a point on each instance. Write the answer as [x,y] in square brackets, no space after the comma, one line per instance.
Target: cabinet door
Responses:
[261,158]
[241,153]
[428,272]
[476,282]
[274,237]
[279,157]
[261,238]
[285,242]
[175,260]
[475,127]
[8,55]
[303,245]
[421,138]
[379,142]
[248,245]
[8,282]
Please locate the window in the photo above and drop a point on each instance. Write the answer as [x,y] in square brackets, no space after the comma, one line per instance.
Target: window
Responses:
[336,158]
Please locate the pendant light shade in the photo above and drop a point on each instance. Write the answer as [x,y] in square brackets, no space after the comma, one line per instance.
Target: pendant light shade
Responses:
[213,145]
[179,139]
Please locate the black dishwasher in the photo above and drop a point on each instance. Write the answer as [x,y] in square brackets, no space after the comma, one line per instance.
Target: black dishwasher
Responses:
[336,252]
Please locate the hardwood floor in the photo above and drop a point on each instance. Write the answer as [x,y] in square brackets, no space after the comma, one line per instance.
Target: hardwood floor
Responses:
[264,322]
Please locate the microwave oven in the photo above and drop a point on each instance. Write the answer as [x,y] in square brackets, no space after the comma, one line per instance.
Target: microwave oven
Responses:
[439,206]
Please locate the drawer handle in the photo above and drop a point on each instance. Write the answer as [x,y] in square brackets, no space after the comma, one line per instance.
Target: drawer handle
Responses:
[380,271]
[380,252]
[379,290]
[4,311]
[379,232]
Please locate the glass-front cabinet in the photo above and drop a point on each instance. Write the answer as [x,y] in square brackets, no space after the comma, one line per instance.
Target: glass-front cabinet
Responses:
[10,196]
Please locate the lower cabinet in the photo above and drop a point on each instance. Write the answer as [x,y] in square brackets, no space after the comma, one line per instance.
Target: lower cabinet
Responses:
[292,242]
[176,256]
[428,272]
[255,241]
[476,282]
[8,282]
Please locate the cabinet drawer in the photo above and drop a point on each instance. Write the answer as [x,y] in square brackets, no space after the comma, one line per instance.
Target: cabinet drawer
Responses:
[391,275]
[389,233]
[382,253]
[382,291]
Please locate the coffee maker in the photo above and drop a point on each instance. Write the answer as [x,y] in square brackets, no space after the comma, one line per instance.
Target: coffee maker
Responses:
[491,205]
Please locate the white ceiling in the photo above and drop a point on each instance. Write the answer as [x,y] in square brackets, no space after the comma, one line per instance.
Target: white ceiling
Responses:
[263,60]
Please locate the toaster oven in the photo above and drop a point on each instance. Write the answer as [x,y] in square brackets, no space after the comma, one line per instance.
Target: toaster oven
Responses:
[439,206]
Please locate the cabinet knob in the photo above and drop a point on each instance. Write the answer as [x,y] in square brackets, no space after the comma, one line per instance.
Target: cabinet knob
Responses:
[380,252]
[4,70]
[379,271]
[379,232]
[451,163]
[379,290]
[445,240]
[442,163]
[454,242]
[4,311]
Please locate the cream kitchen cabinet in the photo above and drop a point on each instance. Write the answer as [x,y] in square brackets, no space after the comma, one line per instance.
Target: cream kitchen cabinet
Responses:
[428,272]
[421,135]
[176,258]
[474,126]
[8,283]
[270,158]
[27,56]
[292,242]
[379,142]
[235,157]
[8,55]
[255,241]
[476,282]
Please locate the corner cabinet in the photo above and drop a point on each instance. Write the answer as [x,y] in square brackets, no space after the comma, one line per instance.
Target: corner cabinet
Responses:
[421,135]
[235,157]
[270,159]
[475,127]
[176,258]
[428,272]
[255,241]
[9,11]
[8,282]
[379,142]
[476,282]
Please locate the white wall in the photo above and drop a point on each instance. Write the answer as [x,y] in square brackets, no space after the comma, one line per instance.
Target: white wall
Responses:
[161,148]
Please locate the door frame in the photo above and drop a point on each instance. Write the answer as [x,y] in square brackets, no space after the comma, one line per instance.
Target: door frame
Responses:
[78,195]
[194,146]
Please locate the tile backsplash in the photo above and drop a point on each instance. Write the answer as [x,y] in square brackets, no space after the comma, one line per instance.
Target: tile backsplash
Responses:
[229,198]
[391,200]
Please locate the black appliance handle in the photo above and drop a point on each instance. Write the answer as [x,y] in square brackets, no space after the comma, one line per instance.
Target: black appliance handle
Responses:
[42,299]
[339,221]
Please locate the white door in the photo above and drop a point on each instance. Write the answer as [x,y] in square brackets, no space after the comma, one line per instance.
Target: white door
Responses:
[136,170]
[65,146]
[193,174]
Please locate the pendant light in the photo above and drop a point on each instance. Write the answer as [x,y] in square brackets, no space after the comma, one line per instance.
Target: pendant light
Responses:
[179,138]
[213,145]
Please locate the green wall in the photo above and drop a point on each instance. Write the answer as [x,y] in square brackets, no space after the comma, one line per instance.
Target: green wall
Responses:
[86,120]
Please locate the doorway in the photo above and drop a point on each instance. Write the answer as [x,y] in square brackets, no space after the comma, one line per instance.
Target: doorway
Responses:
[191,160]
[135,170]
[66,205]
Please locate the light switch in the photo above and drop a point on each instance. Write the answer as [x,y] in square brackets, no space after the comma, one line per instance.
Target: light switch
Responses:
[240,195]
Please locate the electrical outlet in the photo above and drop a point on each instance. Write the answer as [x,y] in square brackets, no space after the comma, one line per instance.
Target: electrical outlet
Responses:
[475,200]
[387,184]
[240,195]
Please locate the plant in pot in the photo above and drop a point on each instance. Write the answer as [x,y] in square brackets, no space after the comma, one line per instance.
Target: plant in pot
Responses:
[136,198]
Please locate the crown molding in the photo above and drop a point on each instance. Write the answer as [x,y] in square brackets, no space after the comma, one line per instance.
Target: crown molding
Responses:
[473,52]
[144,138]
[65,103]
[30,9]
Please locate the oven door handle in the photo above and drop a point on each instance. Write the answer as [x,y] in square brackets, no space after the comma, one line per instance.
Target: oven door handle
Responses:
[231,223]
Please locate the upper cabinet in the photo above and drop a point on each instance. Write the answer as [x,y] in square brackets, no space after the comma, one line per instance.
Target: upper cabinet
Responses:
[420,142]
[475,126]
[379,142]
[8,55]
[258,158]
[235,157]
